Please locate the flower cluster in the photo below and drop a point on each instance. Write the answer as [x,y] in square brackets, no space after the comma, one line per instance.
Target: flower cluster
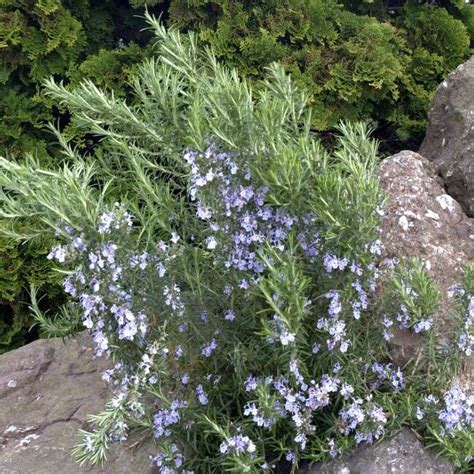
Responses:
[170,460]
[335,326]
[466,336]
[233,205]
[99,282]
[280,332]
[364,417]
[457,412]
[293,399]
[405,321]
[387,373]
[237,444]
[166,418]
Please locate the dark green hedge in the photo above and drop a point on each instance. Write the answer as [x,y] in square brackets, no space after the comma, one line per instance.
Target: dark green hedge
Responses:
[384,67]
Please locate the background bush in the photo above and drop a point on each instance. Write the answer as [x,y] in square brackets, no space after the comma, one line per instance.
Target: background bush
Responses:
[384,66]
[374,60]
[358,59]
[43,38]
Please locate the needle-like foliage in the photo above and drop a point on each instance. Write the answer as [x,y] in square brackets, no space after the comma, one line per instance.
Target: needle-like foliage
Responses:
[227,262]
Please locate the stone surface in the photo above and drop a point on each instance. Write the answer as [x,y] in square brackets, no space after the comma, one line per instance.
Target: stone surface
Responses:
[402,454]
[422,221]
[449,140]
[47,389]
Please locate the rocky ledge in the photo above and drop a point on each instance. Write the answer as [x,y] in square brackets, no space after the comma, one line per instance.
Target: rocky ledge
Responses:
[403,454]
[47,389]
[449,140]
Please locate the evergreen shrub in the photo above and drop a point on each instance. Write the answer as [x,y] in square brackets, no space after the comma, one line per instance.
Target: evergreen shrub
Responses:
[357,59]
[227,263]
[53,37]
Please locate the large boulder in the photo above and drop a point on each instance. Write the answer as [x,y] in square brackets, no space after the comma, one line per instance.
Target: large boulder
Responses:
[449,140]
[422,221]
[47,389]
[402,454]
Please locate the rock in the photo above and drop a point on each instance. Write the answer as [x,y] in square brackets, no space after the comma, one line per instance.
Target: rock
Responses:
[422,221]
[402,454]
[449,140]
[47,389]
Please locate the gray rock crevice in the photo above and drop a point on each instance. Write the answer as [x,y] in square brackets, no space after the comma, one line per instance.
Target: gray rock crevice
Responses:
[449,140]
[402,454]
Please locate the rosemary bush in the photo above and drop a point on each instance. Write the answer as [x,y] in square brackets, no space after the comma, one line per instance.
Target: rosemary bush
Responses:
[226,262]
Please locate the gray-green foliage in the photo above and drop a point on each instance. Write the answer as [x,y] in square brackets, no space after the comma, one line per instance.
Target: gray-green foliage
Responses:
[379,67]
[186,97]
[187,102]
[66,322]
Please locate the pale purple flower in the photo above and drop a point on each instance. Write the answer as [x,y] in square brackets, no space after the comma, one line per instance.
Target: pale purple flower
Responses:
[211,243]
[423,325]
[79,244]
[175,238]
[420,414]
[346,391]
[333,451]
[356,269]
[238,445]
[301,439]
[208,349]
[203,213]
[202,395]
[105,222]
[257,416]
[286,338]
[166,418]
[57,253]
[376,247]
[251,383]
[69,287]
[179,351]
[332,262]
[458,411]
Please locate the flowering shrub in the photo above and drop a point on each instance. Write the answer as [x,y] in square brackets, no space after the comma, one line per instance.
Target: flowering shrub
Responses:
[228,265]
[358,60]
[419,299]
[465,297]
